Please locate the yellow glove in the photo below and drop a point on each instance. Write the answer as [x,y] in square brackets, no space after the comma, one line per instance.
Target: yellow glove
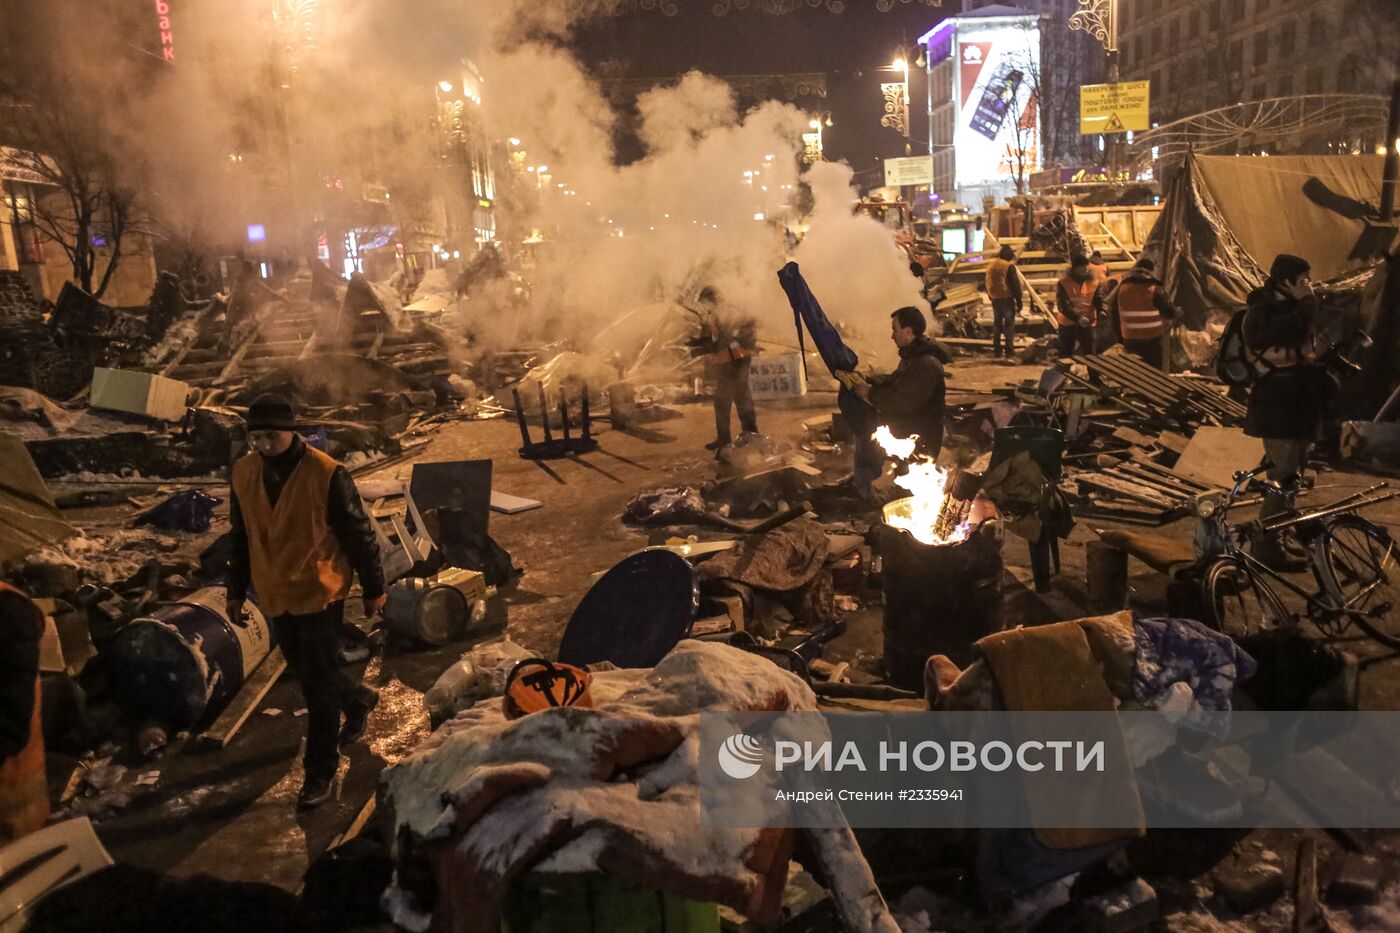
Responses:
[849,379]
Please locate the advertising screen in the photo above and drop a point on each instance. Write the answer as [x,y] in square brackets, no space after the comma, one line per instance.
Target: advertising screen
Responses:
[998,128]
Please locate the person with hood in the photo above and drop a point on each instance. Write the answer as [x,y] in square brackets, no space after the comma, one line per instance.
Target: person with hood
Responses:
[1140,310]
[1098,266]
[910,400]
[1290,390]
[1077,307]
[727,341]
[299,532]
[1004,289]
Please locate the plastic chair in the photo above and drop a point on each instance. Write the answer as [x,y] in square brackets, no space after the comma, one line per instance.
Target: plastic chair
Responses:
[1046,447]
[38,864]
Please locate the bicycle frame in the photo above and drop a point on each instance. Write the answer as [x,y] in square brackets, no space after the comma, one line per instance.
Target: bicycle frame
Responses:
[1216,528]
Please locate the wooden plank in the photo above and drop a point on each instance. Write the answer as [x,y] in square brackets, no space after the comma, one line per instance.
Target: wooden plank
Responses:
[507,504]
[244,702]
[1125,490]
[373,351]
[358,825]
[234,361]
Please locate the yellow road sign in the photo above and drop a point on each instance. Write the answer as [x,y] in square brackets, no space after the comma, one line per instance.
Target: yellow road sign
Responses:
[1114,108]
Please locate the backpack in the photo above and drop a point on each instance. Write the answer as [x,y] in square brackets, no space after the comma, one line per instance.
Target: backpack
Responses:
[1232,364]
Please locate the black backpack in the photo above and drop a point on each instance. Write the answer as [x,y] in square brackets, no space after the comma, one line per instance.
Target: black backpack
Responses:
[1232,364]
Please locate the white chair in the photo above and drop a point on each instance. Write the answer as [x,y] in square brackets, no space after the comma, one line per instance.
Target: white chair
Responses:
[43,861]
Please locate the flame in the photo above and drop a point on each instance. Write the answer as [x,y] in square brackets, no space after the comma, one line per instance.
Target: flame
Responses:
[927,485]
[899,448]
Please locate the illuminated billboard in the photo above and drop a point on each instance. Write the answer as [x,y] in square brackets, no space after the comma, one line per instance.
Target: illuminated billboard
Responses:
[993,83]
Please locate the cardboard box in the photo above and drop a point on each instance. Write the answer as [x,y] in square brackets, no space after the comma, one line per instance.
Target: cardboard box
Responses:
[139,393]
[778,375]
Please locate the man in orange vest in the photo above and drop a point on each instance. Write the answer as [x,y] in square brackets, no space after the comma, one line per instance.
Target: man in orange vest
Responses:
[1004,288]
[1140,309]
[24,795]
[1077,307]
[299,531]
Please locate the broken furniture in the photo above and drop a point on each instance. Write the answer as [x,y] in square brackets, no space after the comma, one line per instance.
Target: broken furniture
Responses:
[1181,399]
[36,865]
[551,448]
[1046,448]
[139,393]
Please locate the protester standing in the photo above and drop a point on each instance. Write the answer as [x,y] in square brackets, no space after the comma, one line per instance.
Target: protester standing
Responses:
[911,399]
[727,341]
[299,533]
[1003,281]
[1140,309]
[1290,390]
[1076,307]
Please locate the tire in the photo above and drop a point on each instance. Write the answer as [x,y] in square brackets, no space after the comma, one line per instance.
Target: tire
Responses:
[1238,602]
[1359,571]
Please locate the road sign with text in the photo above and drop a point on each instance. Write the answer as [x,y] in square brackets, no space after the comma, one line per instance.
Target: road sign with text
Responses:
[911,170]
[1114,108]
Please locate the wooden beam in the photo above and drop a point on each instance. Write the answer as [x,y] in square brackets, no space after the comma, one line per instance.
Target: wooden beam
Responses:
[223,729]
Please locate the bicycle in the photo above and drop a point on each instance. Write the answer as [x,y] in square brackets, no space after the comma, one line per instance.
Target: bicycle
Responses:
[1352,561]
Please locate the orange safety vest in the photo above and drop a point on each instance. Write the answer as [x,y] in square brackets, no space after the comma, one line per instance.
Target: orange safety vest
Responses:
[1081,299]
[1138,317]
[24,792]
[297,564]
[998,271]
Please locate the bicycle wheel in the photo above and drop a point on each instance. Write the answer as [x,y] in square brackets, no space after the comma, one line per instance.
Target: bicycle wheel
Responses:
[1239,602]
[1359,572]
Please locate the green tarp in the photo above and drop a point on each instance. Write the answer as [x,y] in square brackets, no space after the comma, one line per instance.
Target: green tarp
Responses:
[28,517]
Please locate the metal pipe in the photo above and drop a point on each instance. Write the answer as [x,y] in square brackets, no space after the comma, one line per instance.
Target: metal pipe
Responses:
[1328,513]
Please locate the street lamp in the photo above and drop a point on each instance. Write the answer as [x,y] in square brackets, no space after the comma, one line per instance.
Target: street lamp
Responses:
[1099,18]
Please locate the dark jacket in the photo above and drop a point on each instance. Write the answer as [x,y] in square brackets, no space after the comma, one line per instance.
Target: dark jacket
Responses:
[19,665]
[1288,398]
[345,513]
[911,399]
[1160,301]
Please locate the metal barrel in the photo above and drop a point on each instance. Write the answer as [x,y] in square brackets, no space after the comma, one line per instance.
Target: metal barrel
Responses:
[939,599]
[185,661]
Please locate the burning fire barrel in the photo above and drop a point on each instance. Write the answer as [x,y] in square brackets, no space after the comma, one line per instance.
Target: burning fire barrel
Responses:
[942,582]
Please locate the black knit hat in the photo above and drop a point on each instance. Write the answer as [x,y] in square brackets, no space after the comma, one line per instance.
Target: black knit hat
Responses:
[271,412]
[1286,268]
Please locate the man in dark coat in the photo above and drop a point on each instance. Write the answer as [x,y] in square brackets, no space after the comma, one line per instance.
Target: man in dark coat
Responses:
[911,399]
[1290,390]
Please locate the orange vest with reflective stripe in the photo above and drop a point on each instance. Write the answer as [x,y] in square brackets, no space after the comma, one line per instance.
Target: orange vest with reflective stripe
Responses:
[997,272]
[1081,299]
[24,792]
[1138,317]
[297,564]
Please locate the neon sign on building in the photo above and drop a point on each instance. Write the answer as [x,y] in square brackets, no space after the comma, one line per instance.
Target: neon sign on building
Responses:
[167,33]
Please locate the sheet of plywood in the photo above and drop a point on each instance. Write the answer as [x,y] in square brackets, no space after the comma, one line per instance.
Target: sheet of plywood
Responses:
[1215,453]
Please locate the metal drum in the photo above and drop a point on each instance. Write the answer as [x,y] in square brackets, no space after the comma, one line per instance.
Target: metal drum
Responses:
[435,611]
[186,660]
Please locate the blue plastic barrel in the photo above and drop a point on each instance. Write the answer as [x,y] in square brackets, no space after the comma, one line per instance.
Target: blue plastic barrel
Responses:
[185,661]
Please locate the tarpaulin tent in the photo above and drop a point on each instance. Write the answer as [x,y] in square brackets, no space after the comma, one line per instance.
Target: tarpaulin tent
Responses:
[1226,217]
[29,519]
